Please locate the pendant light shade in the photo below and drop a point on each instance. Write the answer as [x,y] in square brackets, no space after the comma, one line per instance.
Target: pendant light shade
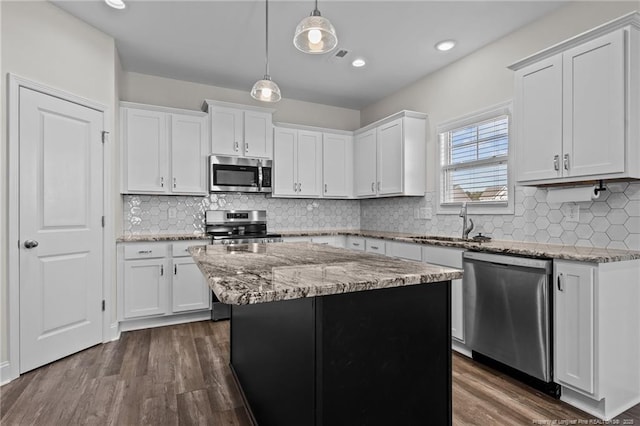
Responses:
[315,34]
[266,90]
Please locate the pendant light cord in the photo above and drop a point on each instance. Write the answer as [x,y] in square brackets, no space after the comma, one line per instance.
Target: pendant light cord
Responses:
[266,15]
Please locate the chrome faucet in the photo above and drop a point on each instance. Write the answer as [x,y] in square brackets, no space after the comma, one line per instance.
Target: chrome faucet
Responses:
[465,229]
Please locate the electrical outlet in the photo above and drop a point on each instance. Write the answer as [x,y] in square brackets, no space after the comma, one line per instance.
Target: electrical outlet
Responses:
[426,213]
[172,212]
[572,213]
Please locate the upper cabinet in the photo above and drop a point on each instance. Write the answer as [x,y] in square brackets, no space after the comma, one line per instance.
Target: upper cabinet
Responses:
[164,150]
[309,162]
[577,105]
[389,157]
[240,130]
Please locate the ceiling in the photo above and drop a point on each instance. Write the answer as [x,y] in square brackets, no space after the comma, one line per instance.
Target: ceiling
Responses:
[222,43]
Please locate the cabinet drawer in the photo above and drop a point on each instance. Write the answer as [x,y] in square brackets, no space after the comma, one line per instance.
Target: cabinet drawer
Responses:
[375,246]
[355,243]
[405,251]
[450,257]
[144,251]
[179,249]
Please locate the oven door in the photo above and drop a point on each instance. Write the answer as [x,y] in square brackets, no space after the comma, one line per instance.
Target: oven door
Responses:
[233,174]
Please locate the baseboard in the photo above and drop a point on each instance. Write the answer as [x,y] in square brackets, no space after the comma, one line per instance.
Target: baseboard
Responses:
[142,323]
[602,409]
[460,348]
[5,373]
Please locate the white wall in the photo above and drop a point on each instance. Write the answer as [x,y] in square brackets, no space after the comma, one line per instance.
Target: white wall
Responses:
[153,90]
[482,79]
[40,42]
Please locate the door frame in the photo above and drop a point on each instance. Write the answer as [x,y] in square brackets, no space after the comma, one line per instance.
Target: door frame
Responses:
[14,83]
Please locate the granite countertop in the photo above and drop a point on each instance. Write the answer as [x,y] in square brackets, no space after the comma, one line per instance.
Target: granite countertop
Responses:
[518,248]
[161,237]
[256,273]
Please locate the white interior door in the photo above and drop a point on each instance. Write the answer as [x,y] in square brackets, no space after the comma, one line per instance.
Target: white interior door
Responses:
[60,228]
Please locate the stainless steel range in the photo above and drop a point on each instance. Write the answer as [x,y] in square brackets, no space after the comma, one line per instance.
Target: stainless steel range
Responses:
[236,227]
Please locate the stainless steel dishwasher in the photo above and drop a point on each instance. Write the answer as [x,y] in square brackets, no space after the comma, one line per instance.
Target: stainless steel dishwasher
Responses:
[507,302]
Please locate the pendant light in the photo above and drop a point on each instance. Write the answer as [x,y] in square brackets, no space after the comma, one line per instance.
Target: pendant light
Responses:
[266,90]
[315,34]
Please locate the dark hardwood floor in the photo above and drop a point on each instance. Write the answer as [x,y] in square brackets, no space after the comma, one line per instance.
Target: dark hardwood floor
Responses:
[180,375]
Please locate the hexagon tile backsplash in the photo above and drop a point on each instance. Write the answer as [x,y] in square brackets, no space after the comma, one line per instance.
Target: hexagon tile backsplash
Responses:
[613,221]
[164,214]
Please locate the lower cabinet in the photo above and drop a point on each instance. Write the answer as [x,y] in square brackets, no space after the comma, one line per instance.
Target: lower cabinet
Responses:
[452,258]
[159,279]
[596,335]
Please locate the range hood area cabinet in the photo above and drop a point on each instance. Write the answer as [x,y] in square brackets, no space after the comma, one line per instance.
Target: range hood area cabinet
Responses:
[310,162]
[240,130]
[164,150]
[390,157]
[577,107]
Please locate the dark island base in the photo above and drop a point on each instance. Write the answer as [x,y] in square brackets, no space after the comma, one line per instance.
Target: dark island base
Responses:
[378,357]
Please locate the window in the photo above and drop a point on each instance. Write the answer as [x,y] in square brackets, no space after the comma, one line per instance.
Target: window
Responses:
[474,154]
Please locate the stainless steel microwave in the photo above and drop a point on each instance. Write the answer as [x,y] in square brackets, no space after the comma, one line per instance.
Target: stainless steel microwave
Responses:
[239,174]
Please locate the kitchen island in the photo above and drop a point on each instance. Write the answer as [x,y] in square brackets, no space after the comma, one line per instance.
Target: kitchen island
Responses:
[327,336]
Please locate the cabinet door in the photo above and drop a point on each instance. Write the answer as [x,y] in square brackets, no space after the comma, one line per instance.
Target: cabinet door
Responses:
[309,163]
[190,290]
[188,154]
[538,120]
[336,165]
[145,288]
[457,310]
[145,151]
[390,158]
[574,325]
[258,134]
[226,130]
[285,162]
[594,106]
[365,164]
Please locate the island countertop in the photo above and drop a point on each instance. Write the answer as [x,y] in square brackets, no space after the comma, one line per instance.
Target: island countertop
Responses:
[256,273]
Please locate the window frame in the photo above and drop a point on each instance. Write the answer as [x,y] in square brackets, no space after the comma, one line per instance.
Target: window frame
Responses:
[485,207]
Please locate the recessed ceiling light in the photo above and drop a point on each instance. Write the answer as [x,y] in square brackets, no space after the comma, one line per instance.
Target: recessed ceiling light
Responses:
[445,45]
[116,4]
[358,62]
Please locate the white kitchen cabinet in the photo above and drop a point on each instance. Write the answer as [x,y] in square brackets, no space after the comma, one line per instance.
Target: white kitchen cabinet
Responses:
[146,291]
[355,243]
[157,281]
[574,325]
[389,157]
[404,250]
[452,258]
[240,130]
[374,245]
[576,108]
[164,150]
[337,165]
[330,240]
[296,239]
[297,163]
[596,338]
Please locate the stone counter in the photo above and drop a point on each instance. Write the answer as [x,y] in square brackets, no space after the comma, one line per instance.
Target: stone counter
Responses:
[255,273]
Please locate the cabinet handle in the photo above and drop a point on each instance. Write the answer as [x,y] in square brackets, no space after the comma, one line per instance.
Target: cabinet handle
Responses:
[356,244]
[175,269]
[161,181]
[174,182]
[325,187]
[375,247]
[145,251]
[556,162]
[373,187]
[246,147]
[161,270]
[237,146]
[565,161]
[378,186]
[560,283]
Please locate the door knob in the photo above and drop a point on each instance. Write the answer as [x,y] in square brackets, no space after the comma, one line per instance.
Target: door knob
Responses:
[30,244]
